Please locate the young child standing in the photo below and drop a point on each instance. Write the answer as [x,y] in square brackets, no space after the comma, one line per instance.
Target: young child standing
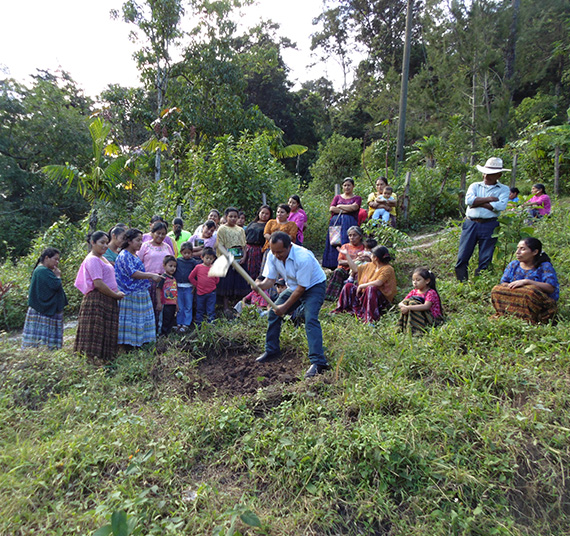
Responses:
[167,295]
[205,287]
[421,308]
[184,266]
[382,213]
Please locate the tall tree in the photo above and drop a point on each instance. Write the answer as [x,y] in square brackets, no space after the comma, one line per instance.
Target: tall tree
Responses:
[159,20]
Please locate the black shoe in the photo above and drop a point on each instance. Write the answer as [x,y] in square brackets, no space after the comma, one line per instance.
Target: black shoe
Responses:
[266,357]
[313,370]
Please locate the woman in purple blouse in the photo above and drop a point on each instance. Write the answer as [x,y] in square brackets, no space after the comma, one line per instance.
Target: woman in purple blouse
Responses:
[344,212]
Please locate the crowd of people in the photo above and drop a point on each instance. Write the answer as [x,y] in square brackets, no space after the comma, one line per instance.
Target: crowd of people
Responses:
[138,286]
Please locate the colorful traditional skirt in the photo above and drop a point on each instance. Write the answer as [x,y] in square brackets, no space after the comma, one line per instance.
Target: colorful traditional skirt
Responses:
[415,322]
[253,261]
[233,285]
[330,256]
[97,326]
[136,319]
[336,282]
[42,330]
[528,302]
[152,293]
[368,305]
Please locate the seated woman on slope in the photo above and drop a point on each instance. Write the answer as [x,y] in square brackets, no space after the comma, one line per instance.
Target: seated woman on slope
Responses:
[376,287]
[529,287]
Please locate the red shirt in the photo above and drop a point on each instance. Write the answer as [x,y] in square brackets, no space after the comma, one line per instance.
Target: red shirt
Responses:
[199,278]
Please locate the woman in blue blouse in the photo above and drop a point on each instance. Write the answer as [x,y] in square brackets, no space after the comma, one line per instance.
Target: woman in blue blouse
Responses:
[529,287]
[136,315]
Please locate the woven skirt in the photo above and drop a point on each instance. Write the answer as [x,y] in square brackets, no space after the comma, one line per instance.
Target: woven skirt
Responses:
[97,326]
[336,282]
[415,322]
[528,302]
[42,330]
[136,319]
[233,285]
[253,260]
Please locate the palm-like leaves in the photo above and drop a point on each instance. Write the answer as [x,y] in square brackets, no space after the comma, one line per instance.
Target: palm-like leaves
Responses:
[100,182]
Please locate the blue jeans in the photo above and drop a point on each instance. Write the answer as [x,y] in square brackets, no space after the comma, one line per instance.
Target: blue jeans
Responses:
[312,299]
[206,307]
[185,303]
[472,234]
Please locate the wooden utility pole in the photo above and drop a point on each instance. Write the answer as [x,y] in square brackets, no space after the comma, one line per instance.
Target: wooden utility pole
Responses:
[404,89]
[514,171]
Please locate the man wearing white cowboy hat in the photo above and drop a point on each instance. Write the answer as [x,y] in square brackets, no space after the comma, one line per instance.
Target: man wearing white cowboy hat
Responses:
[485,201]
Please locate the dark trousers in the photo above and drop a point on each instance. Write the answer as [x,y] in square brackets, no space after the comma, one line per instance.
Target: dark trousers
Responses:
[475,234]
[168,319]
[205,307]
[312,300]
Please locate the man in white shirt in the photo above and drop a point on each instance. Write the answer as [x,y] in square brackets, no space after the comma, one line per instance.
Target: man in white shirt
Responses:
[306,284]
[485,201]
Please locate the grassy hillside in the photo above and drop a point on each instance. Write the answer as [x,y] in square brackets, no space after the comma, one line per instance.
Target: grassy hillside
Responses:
[463,431]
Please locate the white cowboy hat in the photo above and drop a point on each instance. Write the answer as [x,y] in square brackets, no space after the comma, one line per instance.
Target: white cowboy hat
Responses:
[493,165]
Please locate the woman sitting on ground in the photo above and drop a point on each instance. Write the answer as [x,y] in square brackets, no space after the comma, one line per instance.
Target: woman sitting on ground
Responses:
[539,205]
[341,274]
[46,300]
[376,287]
[98,322]
[529,287]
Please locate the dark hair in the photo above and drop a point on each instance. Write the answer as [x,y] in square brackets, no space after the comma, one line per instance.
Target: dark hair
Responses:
[296,198]
[209,224]
[231,209]
[260,209]
[534,244]
[214,210]
[118,230]
[348,179]
[425,273]
[177,232]
[285,207]
[130,235]
[186,245]
[382,254]
[157,226]
[428,274]
[383,179]
[515,191]
[370,243]
[156,218]
[167,259]
[280,236]
[208,251]
[47,253]
[96,235]
[540,186]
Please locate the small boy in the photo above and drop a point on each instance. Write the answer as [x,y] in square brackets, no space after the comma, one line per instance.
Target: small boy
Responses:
[384,213]
[167,295]
[185,264]
[514,196]
[205,287]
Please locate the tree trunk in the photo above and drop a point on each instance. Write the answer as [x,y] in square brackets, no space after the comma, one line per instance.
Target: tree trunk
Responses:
[514,172]
[406,201]
[557,171]
[473,116]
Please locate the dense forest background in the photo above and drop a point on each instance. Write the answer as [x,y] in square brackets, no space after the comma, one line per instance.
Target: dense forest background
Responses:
[223,124]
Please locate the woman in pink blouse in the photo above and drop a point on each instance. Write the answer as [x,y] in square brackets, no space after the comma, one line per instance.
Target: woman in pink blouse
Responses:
[539,204]
[152,254]
[98,323]
[297,215]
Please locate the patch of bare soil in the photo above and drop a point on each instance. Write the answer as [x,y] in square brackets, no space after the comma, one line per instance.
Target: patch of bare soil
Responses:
[232,373]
